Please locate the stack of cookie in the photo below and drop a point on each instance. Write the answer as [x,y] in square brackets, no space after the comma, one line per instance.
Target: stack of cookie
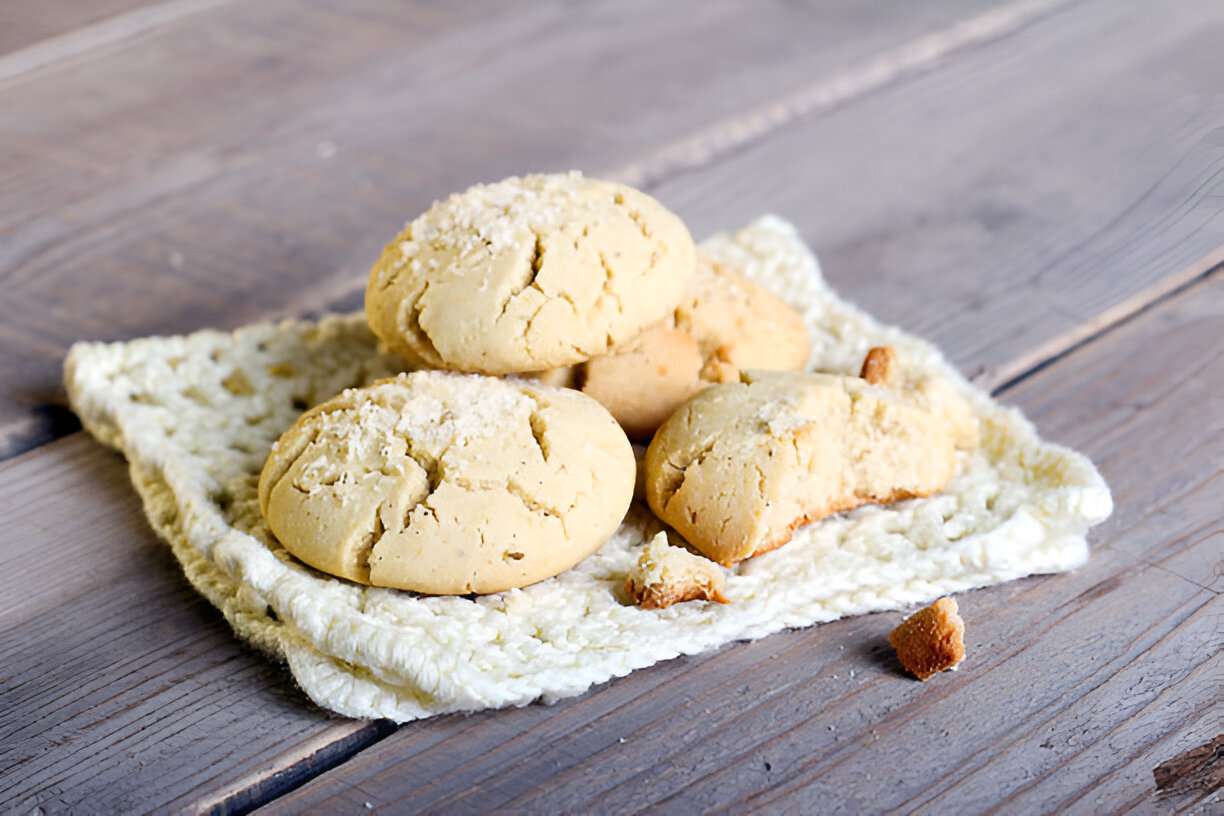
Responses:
[458,479]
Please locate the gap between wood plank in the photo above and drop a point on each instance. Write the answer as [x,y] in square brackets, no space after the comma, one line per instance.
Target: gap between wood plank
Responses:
[264,785]
[824,94]
[728,136]
[725,137]
[103,33]
[1201,271]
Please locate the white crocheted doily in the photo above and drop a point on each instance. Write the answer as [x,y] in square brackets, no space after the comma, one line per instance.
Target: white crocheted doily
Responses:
[195,416]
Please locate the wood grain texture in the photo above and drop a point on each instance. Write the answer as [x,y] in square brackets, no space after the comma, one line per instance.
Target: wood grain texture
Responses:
[284,143]
[1071,681]
[1020,198]
[27,24]
[830,92]
[121,687]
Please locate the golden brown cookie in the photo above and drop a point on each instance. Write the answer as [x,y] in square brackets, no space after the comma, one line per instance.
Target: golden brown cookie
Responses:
[445,483]
[644,383]
[739,466]
[931,640]
[529,273]
[740,325]
[725,323]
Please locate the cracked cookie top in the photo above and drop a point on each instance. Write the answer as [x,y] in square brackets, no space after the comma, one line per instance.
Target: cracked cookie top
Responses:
[528,274]
[446,483]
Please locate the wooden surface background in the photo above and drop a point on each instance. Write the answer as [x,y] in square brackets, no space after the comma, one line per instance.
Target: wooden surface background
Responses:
[1035,185]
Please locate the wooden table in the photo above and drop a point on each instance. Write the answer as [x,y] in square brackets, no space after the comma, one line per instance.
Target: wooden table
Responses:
[1035,185]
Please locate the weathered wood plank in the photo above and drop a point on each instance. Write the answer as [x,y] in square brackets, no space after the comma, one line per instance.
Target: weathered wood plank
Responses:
[1017,201]
[120,686]
[1085,766]
[25,24]
[1198,768]
[1062,671]
[284,143]
[1002,152]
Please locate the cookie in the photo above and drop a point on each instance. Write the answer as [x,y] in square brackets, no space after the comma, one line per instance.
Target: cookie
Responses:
[725,323]
[940,397]
[931,640]
[644,383]
[741,465]
[740,325]
[664,575]
[881,366]
[445,483]
[528,274]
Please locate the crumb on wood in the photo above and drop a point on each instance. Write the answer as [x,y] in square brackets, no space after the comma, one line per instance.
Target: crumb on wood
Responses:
[931,640]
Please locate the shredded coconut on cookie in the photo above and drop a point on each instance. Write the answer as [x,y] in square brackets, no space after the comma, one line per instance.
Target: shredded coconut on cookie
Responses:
[528,274]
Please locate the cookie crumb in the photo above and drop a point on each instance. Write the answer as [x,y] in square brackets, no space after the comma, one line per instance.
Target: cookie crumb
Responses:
[931,640]
[666,575]
[880,366]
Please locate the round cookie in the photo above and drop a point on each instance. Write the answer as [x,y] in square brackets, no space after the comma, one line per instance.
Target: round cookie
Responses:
[447,483]
[527,274]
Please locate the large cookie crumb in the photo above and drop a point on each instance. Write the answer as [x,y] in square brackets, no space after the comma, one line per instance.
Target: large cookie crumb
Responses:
[666,575]
[931,640]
